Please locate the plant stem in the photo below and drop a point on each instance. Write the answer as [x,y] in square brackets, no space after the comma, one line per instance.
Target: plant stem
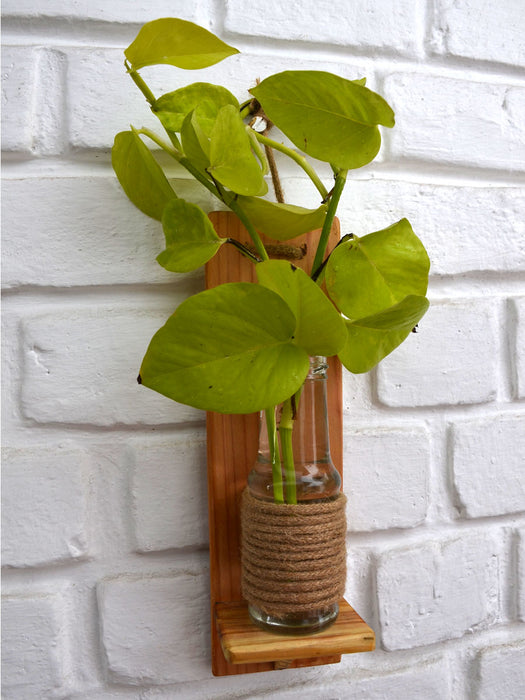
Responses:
[299,159]
[340,182]
[285,433]
[277,477]
[234,206]
[140,83]
[244,250]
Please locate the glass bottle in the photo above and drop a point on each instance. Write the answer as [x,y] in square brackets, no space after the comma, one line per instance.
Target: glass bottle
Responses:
[315,479]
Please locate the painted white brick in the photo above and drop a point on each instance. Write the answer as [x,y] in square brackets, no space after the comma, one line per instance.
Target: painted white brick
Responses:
[489,464]
[450,360]
[18,84]
[90,72]
[117,11]
[495,32]
[44,505]
[501,673]
[155,629]
[77,242]
[81,365]
[456,121]
[437,591]
[521,574]
[517,320]
[33,647]
[386,471]
[371,24]
[168,487]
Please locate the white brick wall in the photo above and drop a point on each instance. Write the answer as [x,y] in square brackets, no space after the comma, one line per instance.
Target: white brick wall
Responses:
[104,500]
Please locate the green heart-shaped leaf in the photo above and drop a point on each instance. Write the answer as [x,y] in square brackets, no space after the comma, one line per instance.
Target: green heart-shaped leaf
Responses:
[326,116]
[320,329]
[367,275]
[195,143]
[282,221]
[232,161]
[178,43]
[173,107]
[191,239]
[228,349]
[373,338]
[140,175]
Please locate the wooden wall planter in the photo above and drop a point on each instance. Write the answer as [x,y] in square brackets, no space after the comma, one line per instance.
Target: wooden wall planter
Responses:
[238,646]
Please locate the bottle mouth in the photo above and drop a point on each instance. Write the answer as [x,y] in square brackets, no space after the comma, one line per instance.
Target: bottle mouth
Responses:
[318,366]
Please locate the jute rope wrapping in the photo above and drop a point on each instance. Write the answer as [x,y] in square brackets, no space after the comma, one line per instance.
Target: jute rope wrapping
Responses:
[293,556]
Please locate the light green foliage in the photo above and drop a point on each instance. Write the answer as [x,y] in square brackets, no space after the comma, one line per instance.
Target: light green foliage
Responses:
[242,347]
[282,221]
[177,42]
[229,349]
[320,329]
[326,116]
[369,274]
[190,237]
[140,175]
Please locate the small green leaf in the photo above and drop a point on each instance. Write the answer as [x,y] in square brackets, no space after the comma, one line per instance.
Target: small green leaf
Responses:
[195,143]
[140,175]
[232,161]
[177,42]
[191,239]
[373,338]
[282,221]
[173,107]
[228,349]
[320,329]
[326,116]
[367,275]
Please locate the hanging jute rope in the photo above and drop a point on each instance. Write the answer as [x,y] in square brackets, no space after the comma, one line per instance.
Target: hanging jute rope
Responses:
[293,556]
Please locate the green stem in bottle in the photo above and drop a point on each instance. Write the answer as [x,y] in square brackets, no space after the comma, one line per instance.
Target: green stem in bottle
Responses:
[298,158]
[285,433]
[273,443]
[340,182]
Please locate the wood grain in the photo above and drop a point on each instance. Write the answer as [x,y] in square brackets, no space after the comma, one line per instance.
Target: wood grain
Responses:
[232,447]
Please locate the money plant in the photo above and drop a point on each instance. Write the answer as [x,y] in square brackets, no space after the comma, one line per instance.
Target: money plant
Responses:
[245,347]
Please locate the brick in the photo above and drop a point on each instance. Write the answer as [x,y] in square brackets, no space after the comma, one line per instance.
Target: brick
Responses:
[517,322]
[117,11]
[18,84]
[437,591]
[458,122]
[168,487]
[460,29]
[388,472]
[488,465]
[369,25]
[153,628]
[76,243]
[439,214]
[450,360]
[81,364]
[34,647]
[521,574]
[44,505]
[501,673]
[91,71]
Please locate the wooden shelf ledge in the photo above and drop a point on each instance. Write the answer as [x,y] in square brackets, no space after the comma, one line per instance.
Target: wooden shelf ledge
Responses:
[243,642]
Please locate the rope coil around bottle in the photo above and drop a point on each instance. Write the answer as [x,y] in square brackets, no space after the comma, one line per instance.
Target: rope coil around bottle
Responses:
[293,556]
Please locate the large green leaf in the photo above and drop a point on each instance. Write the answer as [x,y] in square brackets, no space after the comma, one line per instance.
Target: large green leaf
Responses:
[367,275]
[233,163]
[373,338]
[191,239]
[177,42]
[326,116]
[140,175]
[282,221]
[173,107]
[320,328]
[228,349]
